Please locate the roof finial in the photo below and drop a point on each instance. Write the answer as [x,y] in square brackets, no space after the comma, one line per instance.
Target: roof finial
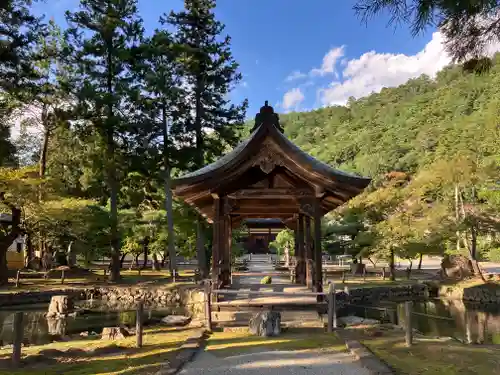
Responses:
[267,115]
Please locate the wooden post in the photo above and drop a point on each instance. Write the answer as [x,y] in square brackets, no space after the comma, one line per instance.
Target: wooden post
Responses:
[138,324]
[343,277]
[334,307]
[318,254]
[18,339]
[18,278]
[216,239]
[208,306]
[331,307]
[308,252]
[408,326]
[300,274]
[62,276]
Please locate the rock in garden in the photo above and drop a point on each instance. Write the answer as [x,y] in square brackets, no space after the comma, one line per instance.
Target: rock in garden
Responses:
[266,324]
[114,333]
[456,267]
[176,320]
[351,320]
[60,306]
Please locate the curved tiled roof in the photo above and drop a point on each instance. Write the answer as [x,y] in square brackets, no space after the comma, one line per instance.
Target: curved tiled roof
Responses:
[313,163]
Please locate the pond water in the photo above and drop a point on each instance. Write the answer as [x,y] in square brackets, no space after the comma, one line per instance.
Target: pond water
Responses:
[38,330]
[468,323]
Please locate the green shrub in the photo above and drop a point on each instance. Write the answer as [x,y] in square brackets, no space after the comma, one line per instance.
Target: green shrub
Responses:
[266,280]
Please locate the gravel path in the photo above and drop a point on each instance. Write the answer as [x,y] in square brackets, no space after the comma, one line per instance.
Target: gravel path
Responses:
[276,363]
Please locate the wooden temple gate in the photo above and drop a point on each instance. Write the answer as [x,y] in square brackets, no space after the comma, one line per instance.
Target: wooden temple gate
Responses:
[267,176]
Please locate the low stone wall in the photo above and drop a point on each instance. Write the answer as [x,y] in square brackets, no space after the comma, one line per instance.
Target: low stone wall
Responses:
[485,293]
[385,293]
[190,298]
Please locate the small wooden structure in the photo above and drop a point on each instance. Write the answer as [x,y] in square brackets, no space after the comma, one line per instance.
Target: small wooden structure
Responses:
[267,176]
[259,233]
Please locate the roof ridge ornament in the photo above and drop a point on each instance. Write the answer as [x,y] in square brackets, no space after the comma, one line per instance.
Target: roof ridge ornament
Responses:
[266,116]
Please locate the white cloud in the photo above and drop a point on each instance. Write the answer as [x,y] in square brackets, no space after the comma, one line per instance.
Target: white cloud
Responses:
[295,76]
[329,62]
[373,71]
[292,99]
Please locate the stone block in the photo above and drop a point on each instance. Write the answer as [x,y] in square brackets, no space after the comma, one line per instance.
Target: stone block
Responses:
[176,320]
[266,324]
[60,306]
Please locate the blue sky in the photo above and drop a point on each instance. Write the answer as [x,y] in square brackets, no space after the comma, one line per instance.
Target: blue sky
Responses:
[302,55]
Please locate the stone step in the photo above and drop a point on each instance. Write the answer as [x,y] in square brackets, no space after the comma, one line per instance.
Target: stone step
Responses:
[290,318]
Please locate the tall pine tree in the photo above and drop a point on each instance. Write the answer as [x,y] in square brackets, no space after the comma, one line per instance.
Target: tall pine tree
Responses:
[162,107]
[209,73]
[101,38]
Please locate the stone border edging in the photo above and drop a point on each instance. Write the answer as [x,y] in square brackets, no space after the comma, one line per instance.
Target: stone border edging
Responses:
[186,353]
[367,359]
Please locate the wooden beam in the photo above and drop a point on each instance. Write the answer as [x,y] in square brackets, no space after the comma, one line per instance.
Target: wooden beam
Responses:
[266,212]
[272,193]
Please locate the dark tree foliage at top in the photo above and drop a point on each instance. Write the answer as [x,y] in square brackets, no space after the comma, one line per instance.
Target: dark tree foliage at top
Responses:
[468,25]
[209,72]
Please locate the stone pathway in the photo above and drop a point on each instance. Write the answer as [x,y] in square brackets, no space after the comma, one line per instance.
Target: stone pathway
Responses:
[311,362]
[276,363]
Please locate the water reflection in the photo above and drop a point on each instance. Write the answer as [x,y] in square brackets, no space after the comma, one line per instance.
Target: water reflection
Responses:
[472,324]
[39,330]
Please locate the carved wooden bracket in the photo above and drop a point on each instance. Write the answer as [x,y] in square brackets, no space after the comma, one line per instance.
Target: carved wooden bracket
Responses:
[307,209]
[268,158]
[229,206]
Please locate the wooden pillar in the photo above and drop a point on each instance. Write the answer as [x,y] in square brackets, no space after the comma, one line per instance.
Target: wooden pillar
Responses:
[308,253]
[227,250]
[300,271]
[216,241]
[318,264]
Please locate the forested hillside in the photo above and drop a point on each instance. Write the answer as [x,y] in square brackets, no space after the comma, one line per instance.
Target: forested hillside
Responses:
[432,147]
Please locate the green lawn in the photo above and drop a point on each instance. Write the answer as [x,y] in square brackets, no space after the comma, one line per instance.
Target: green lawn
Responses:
[430,356]
[160,344]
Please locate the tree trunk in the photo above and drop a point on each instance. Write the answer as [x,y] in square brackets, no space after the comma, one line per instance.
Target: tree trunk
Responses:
[136,261]
[372,262]
[122,259]
[420,261]
[29,251]
[4,270]
[42,167]
[111,170]
[156,265]
[145,252]
[408,271]
[457,216]
[392,266]
[168,194]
